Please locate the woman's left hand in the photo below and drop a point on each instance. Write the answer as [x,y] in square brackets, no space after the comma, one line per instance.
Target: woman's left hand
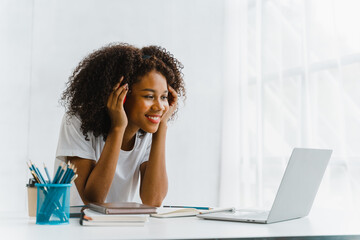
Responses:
[172,99]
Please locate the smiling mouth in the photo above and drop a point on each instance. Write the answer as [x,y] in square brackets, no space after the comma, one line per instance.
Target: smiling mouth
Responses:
[153,119]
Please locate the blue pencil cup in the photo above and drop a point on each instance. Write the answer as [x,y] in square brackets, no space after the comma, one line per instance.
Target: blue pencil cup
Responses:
[53,204]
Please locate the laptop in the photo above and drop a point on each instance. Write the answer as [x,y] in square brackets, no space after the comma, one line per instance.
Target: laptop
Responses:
[296,192]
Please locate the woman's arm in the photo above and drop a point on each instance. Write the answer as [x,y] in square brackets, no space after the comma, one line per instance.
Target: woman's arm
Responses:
[154,181]
[94,179]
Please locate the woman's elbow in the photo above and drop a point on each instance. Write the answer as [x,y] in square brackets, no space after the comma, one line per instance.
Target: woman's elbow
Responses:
[89,197]
[152,201]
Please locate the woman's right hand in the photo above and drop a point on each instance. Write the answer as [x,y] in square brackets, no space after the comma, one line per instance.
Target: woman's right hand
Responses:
[115,106]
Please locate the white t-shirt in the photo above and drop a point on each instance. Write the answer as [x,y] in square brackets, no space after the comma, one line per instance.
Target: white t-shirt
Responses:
[126,180]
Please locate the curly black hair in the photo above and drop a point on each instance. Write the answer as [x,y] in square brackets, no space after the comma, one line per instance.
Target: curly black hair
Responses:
[93,79]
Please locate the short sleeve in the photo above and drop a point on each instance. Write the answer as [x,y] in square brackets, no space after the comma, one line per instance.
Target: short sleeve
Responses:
[72,141]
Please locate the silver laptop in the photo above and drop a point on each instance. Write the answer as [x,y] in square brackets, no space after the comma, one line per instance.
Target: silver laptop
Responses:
[296,193]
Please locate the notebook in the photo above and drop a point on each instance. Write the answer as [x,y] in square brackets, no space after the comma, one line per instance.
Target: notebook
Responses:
[296,192]
[93,218]
[122,208]
[187,212]
[75,211]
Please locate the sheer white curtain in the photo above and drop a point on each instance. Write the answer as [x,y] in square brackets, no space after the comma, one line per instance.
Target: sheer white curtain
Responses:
[292,80]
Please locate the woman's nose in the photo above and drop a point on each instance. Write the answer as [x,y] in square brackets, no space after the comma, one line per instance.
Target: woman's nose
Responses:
[158,105]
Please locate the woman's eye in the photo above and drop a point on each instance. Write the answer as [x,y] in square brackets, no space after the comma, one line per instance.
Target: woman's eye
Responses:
[164,97]
[149,96]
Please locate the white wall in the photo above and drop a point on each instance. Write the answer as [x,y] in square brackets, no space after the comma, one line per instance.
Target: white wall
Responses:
[42,41]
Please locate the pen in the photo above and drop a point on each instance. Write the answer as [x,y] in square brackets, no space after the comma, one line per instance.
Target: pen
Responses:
[59,176]
[65,175]
[73,178]
[57,173]
[30,167]
[47,174]
[38,173]
[199,208]
[68,174]
[219,210]
[35,176]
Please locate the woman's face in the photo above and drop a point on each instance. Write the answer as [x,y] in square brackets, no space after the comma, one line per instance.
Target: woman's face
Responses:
[147,102]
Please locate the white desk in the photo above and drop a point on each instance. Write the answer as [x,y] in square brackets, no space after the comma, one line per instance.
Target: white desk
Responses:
[318,223]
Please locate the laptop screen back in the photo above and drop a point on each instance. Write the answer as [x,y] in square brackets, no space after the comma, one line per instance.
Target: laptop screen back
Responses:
[299,184]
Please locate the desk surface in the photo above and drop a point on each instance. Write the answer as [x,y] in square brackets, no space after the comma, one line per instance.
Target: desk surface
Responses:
[333,225]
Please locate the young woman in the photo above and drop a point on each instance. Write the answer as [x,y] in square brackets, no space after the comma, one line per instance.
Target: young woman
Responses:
[119,101]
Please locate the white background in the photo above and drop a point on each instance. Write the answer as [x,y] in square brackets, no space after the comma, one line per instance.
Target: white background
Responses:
[262,77]
[42,41]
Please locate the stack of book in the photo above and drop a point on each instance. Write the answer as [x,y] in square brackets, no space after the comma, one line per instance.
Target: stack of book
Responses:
[116,214]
